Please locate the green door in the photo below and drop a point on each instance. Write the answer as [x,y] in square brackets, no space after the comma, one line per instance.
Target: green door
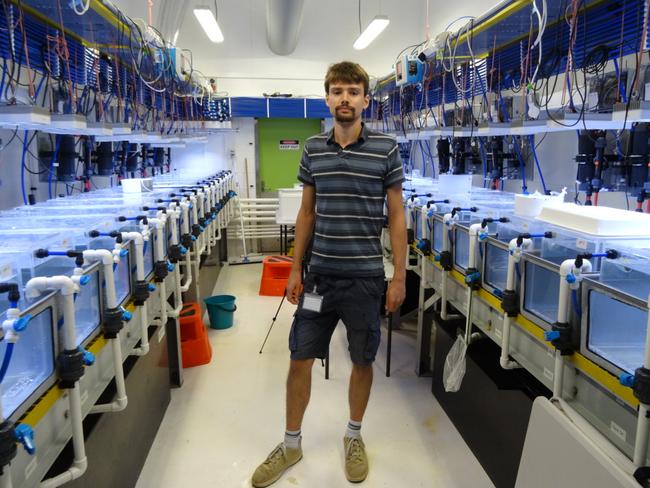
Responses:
[280,143]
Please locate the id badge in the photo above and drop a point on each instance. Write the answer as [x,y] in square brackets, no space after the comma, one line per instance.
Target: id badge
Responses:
[312,302]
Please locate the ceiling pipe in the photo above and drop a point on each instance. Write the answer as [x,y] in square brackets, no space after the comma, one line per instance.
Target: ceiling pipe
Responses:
[283,23]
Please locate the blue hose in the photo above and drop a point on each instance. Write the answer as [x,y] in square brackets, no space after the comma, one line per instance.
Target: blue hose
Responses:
[522,167]
[6,360]
[539,168]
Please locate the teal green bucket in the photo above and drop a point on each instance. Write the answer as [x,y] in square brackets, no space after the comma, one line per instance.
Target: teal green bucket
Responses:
[221,309]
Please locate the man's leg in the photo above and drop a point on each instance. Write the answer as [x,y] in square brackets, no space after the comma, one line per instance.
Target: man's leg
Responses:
[298,392]
[359,391]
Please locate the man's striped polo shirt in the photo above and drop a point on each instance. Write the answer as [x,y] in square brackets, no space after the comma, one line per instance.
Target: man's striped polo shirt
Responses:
[350,189]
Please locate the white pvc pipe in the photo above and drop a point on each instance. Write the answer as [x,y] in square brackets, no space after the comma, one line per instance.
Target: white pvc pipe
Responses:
[504,360]
[446,246]
[242,229]
[119,403]
[138,240]
[67,288]
[642,424]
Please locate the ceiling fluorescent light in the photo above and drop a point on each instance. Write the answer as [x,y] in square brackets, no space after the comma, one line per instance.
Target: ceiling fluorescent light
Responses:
[209,23]
[378,24]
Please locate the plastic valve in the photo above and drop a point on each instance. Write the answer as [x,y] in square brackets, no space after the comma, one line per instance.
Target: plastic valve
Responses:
[25,435]
[151,287]
[21,323]
[170,267]
[193,238]
[551,335]
[626,379]
[84,280]
[127,316]
[471,278]
[183,250]
[571,278]
[87,357]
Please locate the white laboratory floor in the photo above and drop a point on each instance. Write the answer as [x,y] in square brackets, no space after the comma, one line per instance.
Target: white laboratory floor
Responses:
[229,414]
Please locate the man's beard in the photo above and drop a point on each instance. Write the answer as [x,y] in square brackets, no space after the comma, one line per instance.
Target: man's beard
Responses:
[350,116]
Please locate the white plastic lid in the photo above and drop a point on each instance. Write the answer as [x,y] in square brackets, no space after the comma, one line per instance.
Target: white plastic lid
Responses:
[597,221]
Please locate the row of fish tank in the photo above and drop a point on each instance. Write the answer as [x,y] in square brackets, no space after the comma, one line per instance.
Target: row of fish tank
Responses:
[609,312]
[46,240]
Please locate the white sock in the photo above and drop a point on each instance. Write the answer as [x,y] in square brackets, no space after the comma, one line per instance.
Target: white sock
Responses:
[292,439]
[354,430]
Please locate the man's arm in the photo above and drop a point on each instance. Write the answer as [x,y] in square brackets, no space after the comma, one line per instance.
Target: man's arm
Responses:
[304,230]
[397,228]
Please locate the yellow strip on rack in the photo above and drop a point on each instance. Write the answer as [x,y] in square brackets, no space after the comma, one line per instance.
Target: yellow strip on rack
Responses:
[514,7]
[40,408]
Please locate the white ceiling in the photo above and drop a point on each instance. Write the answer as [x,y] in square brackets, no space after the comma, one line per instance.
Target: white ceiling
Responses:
[329,28]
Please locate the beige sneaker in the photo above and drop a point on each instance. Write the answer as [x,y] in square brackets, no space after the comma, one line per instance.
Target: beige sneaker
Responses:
[280,459]
[356,460]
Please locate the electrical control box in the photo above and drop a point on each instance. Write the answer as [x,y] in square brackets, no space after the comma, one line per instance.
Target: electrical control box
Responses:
[409,70]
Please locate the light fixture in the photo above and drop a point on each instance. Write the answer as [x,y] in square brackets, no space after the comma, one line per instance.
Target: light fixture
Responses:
[378,24]
[209,23]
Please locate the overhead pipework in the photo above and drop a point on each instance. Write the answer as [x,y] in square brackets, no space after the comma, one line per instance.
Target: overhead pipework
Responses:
[283,23]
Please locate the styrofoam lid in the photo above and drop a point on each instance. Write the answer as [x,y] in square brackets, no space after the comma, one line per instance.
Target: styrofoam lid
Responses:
[597,221]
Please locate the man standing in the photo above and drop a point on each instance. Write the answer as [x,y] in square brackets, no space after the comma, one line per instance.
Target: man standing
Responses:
[348,174]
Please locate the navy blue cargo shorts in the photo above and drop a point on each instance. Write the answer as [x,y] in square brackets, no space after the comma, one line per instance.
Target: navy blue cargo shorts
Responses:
[355,301]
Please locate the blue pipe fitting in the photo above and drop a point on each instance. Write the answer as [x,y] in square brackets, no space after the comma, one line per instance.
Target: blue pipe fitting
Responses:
[437,258]
[84,280]
[183,250]
[123,252]
[25,435]
[87,357]
[126,315]
[571,278]
[151,287]
[13,304]
[471,278]
[551,335]
[626,379]
[170,267]
[21,323]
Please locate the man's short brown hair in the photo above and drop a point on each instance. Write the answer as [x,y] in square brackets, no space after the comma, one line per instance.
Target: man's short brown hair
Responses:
[347,72]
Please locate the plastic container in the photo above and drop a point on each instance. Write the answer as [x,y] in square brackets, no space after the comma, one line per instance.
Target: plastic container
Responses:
[621,291]
[221,310]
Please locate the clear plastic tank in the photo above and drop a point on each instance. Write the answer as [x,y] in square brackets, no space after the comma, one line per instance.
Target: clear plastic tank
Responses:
[621,290]
[20,248]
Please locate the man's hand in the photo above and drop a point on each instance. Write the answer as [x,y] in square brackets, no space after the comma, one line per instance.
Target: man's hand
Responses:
[395,295]
[294,286]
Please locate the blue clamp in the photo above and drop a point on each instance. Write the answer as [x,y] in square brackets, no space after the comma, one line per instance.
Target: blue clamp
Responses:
[123,252]
[88,357]
[471,278]
[170,267]
[626,379]
[25,435]
[84,280]
[183,250]
[21,323]
[551,335]
[126,315]
[571,278]
[151,287]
